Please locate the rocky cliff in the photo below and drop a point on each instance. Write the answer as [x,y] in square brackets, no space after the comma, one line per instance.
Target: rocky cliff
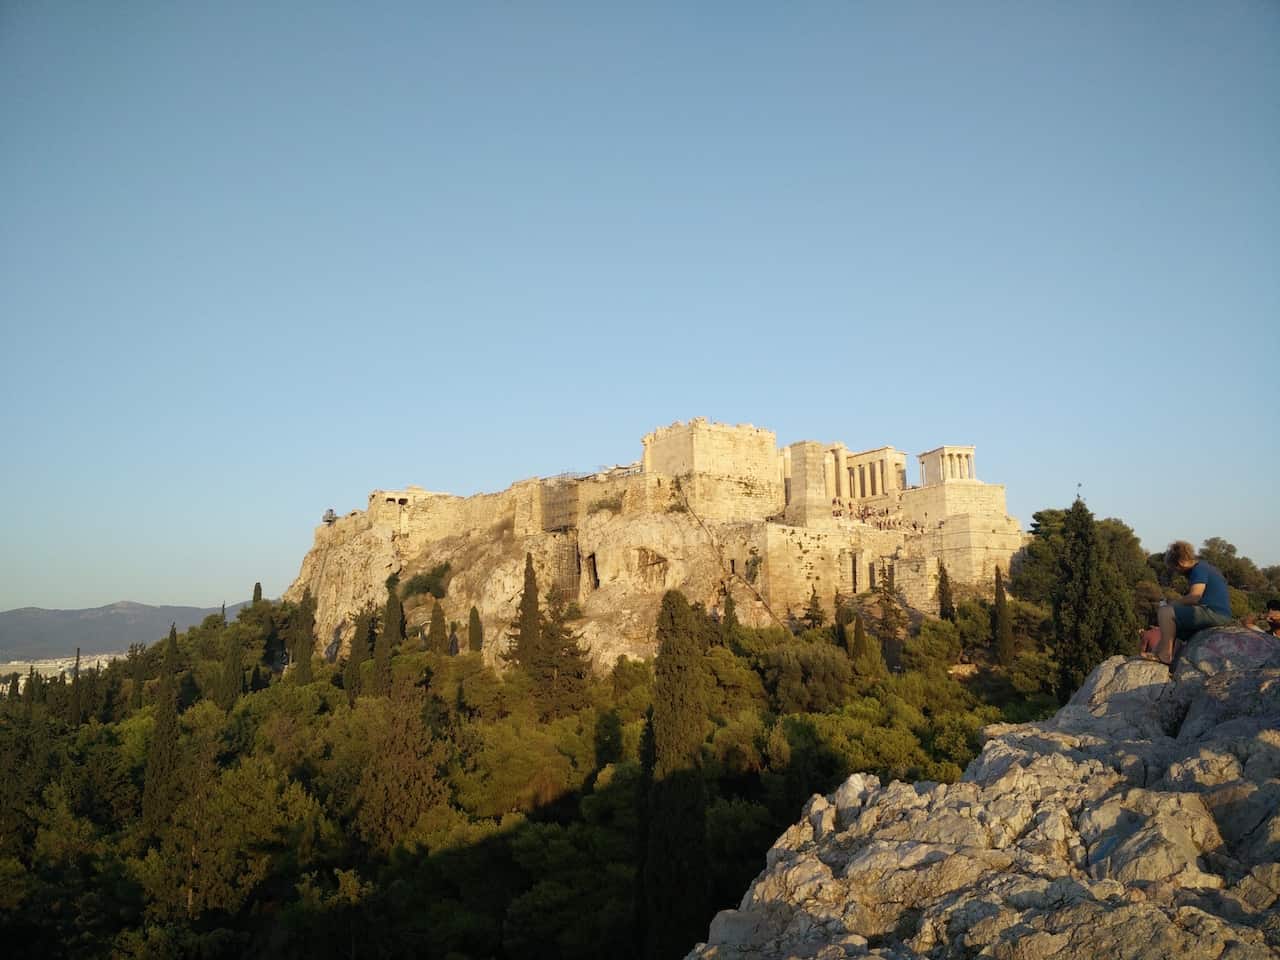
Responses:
[1141,821]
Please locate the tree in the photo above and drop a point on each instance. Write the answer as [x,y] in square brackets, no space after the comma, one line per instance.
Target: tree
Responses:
[527,628]
[257,593]
[814,617]
[946,602]
[558,666]
[1002,624]
[161,788]
[388,638]
[362,640]
[231,681]
[865,653]
[729,619]
[1092,610]
[76,712]
[675,865]
[437,637]
[402,780]
[475,632]
[302,638]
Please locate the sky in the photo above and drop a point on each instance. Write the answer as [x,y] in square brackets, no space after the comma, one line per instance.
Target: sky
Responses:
[257,260]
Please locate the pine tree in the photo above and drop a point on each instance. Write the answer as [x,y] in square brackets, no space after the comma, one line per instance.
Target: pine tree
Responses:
[302,638]
[527,628]
[475,632]
[1002,624]
[257,593]
[946,603]
[161,786]
[675,866]
[76,711]
[865,653]
[437,637]
[1092,611]
[231,682]
[814,617]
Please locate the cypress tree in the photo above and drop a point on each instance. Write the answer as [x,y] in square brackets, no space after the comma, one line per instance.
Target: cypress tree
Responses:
[161,786]
[1002,624]
[526,630]
[1092,611]
[76,709]
[388,638]
[362,639]
[231,682]
[729,621]
[475,632]
[257,593]
[15,688]
[302,638]
[868,661]
[675,867]
[137,673]
[813,615]
[272,647]
[946,603]
[437,637]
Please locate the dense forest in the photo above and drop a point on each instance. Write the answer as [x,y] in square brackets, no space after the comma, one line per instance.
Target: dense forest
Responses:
[225,793]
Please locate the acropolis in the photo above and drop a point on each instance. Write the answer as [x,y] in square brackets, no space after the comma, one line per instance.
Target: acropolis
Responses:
[712,509]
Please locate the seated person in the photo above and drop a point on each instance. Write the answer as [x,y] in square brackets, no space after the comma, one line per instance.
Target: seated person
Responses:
[1206,603]
[1273,617]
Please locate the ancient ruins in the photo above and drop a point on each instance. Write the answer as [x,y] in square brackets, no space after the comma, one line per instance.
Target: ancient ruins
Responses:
[709,508]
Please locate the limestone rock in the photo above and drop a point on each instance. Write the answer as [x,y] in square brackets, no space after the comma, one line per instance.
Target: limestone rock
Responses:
[1143,820]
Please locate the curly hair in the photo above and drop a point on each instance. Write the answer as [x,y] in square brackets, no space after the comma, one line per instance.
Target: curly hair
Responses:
[1179,554]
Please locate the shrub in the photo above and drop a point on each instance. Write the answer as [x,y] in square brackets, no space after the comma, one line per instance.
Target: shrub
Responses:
[434,581]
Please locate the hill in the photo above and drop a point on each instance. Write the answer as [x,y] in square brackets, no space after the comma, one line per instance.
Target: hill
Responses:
[33,633]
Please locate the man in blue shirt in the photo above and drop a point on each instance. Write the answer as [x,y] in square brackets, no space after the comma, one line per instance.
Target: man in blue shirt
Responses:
[1206,603]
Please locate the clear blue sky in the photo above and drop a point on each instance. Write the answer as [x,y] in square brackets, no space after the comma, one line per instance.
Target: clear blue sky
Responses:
[258,259]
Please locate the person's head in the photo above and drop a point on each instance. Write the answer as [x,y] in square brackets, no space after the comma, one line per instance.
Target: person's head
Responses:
[1273,612]
[1180,557]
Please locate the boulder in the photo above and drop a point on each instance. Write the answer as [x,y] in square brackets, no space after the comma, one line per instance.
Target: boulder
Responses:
[1143,820]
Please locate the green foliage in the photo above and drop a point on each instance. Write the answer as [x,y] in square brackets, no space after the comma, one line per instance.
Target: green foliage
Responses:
[475,631]
[675,859]
[434,582]
[527,629]
[257,593]
[865,653]
[161,784]
[363,637]
[1092,612]
[302,638]
[946,602]
[437,638]
[1002,624]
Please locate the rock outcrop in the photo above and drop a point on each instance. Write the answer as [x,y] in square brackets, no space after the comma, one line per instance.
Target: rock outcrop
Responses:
[1143,820]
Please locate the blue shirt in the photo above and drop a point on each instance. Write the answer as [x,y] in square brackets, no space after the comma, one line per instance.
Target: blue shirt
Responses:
[1215,595]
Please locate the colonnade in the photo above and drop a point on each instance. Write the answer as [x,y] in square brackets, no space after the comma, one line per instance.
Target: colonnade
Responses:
[958,466]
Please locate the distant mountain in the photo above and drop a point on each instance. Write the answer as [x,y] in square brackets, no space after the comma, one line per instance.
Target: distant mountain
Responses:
[32,633]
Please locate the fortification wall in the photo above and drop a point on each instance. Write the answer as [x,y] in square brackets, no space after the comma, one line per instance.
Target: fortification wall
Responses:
[928,505]
[720,449]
